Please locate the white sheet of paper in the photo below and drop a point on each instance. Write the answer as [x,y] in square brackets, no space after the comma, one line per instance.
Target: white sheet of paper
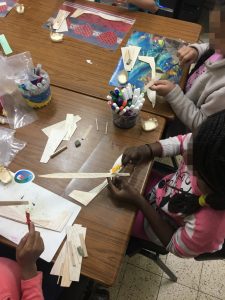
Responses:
[14,232]
[47,210]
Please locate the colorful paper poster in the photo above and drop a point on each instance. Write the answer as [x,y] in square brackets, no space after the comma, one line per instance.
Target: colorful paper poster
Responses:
[163,49]
[92,25]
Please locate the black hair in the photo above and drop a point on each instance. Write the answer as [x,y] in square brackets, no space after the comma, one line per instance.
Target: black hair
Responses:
[209,162]
[202,59]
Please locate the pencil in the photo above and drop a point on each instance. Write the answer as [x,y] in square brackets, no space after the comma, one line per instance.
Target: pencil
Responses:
[58,151]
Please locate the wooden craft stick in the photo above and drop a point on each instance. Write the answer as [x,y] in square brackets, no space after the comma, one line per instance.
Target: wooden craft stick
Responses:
[106,128]
[96,121]
[58,151]
[82,175]
[71,252]
[8,203]
[60,273]
[83,245]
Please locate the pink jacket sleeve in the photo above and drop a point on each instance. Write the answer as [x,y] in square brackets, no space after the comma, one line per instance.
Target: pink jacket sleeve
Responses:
[32,288]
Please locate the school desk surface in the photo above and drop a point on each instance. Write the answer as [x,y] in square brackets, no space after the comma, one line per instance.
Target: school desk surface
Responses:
[108,226]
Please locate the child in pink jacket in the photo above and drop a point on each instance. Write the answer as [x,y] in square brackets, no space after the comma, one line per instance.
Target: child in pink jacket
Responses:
[20,280]
[185,211]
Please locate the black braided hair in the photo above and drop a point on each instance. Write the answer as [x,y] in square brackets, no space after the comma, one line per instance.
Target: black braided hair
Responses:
[209,162]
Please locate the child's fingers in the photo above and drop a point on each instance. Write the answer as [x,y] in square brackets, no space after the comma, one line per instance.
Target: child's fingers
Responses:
[32,228]
[160,82]
[22,242]
[111,186]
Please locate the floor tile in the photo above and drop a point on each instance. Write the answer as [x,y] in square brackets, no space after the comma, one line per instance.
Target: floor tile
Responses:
[138,284]
[188,271]
[121,273]
[212,279]
[113,291]
[146,263]
[174,291]
[202,296]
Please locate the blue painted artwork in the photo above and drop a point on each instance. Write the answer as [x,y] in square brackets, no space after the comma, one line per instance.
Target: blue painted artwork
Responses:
[164,51]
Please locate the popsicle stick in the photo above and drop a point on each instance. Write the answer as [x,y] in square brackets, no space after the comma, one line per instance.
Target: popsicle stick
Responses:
[83,245]
[82,175]
[8,203]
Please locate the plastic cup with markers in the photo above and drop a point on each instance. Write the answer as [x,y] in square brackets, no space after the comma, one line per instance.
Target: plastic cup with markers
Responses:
[126,104]
[36,88]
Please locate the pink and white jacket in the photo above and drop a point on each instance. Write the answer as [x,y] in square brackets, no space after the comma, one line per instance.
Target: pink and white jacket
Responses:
[12,287]
[201,232]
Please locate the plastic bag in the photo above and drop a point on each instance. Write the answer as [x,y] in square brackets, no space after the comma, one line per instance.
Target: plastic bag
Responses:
[14,69]
[19,66]
[9,146]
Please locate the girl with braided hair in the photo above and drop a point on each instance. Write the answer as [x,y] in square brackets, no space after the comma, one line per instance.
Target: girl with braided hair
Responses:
[204,93]
[186,210]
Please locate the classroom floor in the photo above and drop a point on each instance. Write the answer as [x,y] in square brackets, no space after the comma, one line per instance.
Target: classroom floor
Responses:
[142,279]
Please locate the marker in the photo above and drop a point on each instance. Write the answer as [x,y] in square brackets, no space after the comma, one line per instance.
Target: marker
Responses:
[125,94]
[137,92]
[129,91]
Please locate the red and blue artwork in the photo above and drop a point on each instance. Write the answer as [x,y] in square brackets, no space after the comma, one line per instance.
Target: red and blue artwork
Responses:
[92,28]
[163,49]
[6,6]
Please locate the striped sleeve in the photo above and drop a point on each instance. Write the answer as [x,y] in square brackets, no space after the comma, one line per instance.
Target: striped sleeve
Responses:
[175,145]
[197,237]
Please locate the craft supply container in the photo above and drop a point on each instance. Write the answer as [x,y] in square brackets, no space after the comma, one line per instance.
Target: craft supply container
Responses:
[39,95]
[125,122]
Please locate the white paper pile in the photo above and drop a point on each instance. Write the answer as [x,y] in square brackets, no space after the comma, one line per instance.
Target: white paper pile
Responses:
[68,263]
[50,213]
[57,133]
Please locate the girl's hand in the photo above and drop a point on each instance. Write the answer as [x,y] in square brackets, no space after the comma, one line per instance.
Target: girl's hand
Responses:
[28,251]
[187,55]
[163,87]
[122,191]
[137,155]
